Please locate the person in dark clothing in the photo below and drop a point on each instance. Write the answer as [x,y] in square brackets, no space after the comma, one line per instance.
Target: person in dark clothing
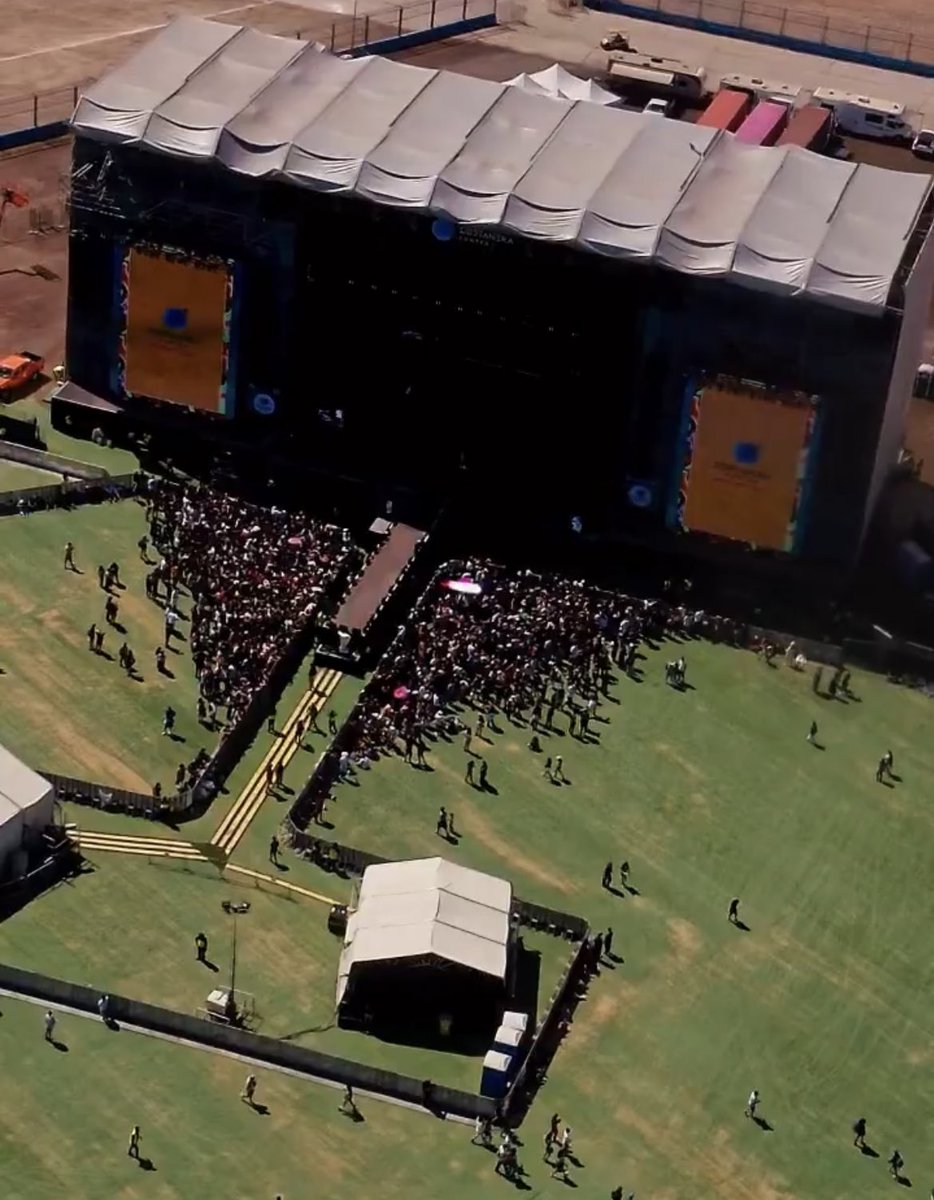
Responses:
[201,947]
[896,1162]
[733,914]
[274,850]
[608,942]
[608,875]
[859,1132]
[441,825]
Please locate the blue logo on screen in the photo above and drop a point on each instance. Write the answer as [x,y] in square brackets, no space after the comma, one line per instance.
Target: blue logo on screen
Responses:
[746,454]
[175,319]
[442,230]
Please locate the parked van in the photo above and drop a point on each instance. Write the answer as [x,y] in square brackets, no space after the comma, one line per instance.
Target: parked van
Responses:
[662,76]
[864,116]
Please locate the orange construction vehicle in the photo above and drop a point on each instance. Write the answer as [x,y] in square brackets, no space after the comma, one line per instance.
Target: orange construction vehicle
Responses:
[16,370]
[12,196]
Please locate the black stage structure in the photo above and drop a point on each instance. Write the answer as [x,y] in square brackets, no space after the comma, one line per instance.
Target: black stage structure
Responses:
[394,342]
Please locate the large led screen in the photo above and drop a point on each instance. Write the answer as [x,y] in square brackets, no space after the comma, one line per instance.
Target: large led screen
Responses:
[745,464]
[177,322]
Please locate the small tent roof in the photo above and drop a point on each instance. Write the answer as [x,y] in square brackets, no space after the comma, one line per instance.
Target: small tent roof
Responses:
[428,908]
[21,789]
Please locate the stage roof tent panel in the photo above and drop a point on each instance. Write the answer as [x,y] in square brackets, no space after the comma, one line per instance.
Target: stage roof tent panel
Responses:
[258,139]
[428,908]
[701,235]
[551,199]
[863,249]
[403,168]
[191,121]
[627,213]
[329,152]
[475,187]
[687,198]
[787,228]
[118,107]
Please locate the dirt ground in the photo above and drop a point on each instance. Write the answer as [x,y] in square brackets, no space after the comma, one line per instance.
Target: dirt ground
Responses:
[32,304]
[92,37]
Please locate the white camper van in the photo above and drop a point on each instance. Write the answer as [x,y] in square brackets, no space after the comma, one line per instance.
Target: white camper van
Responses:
[863,116]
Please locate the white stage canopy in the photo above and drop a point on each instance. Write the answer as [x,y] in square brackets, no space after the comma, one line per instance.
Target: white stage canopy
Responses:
[539,158]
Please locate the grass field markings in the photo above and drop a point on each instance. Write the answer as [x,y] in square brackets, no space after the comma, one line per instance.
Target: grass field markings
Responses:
[280,883]
[473,823]
[684,941]
[253,796]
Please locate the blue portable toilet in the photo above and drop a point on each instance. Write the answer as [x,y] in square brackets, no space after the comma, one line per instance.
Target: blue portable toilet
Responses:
[494,1081]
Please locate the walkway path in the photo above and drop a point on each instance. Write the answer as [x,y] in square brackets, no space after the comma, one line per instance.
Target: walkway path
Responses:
[243,810]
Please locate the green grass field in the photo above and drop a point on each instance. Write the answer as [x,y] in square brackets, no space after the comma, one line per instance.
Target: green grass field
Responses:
[62,707]
[14,475]
[822,1005]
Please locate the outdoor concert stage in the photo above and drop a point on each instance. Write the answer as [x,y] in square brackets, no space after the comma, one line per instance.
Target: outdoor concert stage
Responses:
[432,281]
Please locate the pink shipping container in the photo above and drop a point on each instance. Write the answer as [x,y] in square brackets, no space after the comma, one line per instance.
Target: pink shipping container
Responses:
[764,125]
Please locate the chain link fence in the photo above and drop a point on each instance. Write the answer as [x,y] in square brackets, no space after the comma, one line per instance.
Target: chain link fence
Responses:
[774,22]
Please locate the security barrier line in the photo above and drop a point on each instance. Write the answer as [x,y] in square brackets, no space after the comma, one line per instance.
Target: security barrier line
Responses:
[280,883]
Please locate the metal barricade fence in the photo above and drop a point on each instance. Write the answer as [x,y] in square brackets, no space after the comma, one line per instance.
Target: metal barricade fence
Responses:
[774,21]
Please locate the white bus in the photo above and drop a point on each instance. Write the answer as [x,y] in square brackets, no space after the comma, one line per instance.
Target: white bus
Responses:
[660,76]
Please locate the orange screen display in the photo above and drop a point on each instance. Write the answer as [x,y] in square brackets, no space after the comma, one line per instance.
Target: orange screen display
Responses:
[746,466]
[175,330]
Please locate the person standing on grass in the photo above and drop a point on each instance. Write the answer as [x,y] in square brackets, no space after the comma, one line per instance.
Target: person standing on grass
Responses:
[271,723]
[733,913]
[752,1104]
[168,721]
[133,1148]
[91,635]
[812,733]
[299,731]
[249,1090]
[896,1162]
[558,769]
[99,642]
[484,771]
[143,546]
[201,947]
[441,825]
[49,1021]
[607,875]
[608,942]
[624,873]
[347,1105]
[277,773]
[111,608]
[468,778]
[332,723]
[101,576]
[69,563]
[859,1133]
[274,850]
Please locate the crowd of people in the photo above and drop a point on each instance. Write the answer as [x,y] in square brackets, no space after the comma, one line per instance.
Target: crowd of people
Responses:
[255,575]
[525,645]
